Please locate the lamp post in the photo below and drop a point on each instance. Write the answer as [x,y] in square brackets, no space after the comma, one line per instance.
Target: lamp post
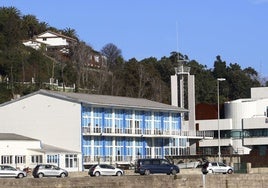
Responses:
[219,132]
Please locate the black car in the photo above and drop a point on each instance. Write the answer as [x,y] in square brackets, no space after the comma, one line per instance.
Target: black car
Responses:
[48,170]
[152,166]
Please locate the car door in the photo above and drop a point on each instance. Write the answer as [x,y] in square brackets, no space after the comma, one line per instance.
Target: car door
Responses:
[222,167]
[49,170]
[9,171]
[215,167]
[110,170]
[164,166]
[105,171]
[155,167]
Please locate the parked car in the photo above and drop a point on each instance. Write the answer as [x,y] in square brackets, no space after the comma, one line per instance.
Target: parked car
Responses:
[219,167]
[105,170]
[9,171]
[152,166]
[48,170]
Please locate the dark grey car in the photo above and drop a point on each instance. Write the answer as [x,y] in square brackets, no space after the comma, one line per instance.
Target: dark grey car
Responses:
[153,166]
[48,170]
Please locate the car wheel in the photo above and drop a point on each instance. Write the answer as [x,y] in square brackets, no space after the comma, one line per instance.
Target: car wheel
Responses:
[41,175]
[20,176]
[173,172]
[230,171]
[147,172]
[119,173]
[97,174]
[62,175]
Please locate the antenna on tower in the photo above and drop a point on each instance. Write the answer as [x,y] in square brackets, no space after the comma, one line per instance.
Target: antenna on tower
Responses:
[177,36]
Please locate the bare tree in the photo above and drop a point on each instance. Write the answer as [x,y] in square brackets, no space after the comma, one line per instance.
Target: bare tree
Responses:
[112,53]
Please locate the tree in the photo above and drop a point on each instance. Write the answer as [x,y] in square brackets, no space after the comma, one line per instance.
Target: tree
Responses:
[10,27]
[112,53]
[30,26]
[219,70]
[70,33]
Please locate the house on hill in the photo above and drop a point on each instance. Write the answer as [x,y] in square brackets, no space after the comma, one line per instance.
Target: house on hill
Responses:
[51,41]
[58,43]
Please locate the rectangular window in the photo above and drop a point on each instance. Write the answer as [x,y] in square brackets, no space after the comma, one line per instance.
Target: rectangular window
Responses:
[118,121]
[108,120]
[6,159]
[36,159]
[20,159]
[71,161]
[97,120]
[52,158]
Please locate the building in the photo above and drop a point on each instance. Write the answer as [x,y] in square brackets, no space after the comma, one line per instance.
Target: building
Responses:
[25,152]
[245,126]
[102,128]
[51,41]
[58,45]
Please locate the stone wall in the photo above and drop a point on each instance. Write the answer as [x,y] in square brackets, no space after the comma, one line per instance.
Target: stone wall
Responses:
[137,181]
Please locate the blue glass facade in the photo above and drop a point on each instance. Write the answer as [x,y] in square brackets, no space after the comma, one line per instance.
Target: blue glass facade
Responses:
[123,135]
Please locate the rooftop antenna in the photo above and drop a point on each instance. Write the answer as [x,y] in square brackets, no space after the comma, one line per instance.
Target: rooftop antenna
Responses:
[177,36]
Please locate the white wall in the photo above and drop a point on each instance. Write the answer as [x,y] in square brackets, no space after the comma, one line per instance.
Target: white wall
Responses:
[256,122]
[21,148]
[212,124]
[259,92]
[53,121]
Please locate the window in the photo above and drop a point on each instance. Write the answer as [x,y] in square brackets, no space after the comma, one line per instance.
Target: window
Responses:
[20,159]
[156,162]
[6,159]
[52,158]
[36,159]
[71,161]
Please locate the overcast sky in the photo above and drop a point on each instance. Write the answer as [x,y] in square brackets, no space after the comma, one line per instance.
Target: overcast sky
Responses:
[237,30]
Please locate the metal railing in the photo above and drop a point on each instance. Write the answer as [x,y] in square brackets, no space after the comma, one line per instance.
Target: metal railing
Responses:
[204,134]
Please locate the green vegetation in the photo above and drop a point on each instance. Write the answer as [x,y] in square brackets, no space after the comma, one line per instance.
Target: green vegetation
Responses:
[148,78]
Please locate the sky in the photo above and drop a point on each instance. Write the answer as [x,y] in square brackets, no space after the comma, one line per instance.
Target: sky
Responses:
[237,30]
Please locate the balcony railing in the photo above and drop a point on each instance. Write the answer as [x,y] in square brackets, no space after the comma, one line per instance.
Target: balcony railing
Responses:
[109,130]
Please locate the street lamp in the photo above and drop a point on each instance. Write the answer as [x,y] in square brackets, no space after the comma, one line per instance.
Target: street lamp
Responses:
[219,133]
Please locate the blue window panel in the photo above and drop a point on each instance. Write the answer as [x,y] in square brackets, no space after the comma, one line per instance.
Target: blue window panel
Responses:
[143,122]
[162,121]
[162,154]
[103,145]
[124,120]
[143,146]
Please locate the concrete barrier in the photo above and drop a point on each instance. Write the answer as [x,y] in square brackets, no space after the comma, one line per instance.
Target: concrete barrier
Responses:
[77,180]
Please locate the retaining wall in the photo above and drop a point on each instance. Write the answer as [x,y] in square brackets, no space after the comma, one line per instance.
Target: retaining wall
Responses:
[137,181]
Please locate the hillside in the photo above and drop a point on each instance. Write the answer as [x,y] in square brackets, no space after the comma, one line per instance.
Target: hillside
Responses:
[83,69]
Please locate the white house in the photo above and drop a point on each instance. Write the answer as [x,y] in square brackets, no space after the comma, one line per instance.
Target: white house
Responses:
[25,152]
[51,40]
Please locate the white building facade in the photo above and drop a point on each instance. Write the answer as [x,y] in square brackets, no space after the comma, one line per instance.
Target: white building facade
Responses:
[101,128]
[245,125]
[23,152]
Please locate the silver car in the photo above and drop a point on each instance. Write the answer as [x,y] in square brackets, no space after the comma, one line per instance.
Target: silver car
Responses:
[218,167]
[48,170]
[105,170]
[9,171]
